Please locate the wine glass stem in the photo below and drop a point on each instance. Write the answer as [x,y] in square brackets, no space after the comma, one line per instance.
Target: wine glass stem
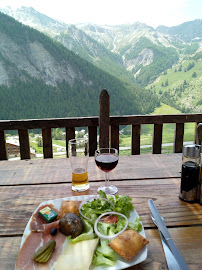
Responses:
[107,179]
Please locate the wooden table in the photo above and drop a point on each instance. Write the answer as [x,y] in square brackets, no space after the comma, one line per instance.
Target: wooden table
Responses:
[25,184]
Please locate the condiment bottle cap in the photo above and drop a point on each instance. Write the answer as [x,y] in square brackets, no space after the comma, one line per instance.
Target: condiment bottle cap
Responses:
[192,151]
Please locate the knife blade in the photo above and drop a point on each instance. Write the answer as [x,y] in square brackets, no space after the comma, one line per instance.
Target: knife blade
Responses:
[162,227]
[170,259]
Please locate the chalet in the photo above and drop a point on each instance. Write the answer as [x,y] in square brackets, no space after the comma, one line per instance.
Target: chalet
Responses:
[13,148]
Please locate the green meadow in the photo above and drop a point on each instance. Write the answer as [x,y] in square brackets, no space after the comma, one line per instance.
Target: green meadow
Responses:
[168,133]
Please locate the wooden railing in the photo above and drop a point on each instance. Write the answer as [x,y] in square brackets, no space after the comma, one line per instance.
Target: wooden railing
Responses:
[108,130]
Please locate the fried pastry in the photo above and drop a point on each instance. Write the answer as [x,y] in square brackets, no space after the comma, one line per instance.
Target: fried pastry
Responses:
[128,244]
[69,207]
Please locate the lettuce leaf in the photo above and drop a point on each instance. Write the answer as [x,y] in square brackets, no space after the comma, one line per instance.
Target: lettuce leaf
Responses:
[111,228]
[137,225]
[88,233]
[106,250]
[99,259]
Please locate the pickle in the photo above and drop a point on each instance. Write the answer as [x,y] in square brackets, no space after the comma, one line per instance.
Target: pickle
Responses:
[43,256]
[45,252]
[46,256]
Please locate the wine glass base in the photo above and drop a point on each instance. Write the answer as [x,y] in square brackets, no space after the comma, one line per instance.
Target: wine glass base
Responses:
[110,190]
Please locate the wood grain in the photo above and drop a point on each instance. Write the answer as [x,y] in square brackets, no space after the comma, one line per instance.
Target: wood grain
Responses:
[104,112]
[70,134]
[59,170]
[157,139]
[3,150]
[154,119]
[47,143]
[92,137]
[19,202]
[24,143]
[135,140]
[93,121]
[24,184]
[67,122]
[179,135]
[155,259]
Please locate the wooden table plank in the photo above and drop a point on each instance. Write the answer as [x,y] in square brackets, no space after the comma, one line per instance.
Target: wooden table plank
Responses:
[190,249]
[59,170]
[19,202]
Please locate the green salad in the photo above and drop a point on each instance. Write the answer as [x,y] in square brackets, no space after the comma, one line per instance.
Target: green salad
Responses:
[110,225]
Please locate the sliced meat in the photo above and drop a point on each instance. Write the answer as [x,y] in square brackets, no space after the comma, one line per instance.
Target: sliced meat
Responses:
[33,242]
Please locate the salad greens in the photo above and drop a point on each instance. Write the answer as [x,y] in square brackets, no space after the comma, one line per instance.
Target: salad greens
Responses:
[88,233]
[92,209]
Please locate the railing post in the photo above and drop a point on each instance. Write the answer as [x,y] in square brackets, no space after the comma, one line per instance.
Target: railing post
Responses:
[70,134]
[3,149]
[47,143]
[24,143]
[179,135]
[104,120]
[92,138]
[135,140]
[157,139]
[198,134]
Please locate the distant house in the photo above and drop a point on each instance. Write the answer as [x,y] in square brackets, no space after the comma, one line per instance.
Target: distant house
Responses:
[13,148]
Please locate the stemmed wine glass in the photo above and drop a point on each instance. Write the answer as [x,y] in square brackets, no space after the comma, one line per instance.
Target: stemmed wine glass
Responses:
[106,159]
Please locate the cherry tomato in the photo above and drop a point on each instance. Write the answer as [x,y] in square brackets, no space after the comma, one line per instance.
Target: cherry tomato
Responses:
[110,219]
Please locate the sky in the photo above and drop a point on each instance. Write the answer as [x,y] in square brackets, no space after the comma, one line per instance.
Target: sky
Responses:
[114,12]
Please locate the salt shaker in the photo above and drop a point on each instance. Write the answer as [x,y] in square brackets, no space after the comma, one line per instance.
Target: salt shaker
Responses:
[190,175]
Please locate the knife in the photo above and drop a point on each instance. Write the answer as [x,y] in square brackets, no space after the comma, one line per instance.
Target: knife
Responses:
[162,227]
[170,259]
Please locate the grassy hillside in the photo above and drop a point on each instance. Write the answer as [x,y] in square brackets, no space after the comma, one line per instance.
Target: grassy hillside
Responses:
[181,86]
[169,129]
[168,133]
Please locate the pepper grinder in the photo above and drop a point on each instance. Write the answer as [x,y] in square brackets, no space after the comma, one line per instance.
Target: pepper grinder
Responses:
[190,175]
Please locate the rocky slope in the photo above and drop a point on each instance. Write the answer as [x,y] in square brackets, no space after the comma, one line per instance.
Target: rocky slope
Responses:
[133,53]
[41,78]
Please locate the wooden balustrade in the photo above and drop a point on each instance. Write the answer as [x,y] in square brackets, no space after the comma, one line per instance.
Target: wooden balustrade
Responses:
[108,130]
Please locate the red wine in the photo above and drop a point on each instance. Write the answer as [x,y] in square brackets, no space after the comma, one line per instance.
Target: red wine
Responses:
[106,162]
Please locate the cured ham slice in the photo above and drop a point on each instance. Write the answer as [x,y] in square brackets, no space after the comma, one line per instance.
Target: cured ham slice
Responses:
[38,237]
[33,242]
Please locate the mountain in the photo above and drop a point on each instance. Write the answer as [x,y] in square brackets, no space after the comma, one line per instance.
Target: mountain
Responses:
[135,53]
[188,31]
[88,48]
[155,56]
[41,78]
[73,39]
[35,19]
[111,48]
[145,52]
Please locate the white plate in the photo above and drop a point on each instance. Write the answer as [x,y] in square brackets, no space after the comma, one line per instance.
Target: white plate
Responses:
[121,263]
